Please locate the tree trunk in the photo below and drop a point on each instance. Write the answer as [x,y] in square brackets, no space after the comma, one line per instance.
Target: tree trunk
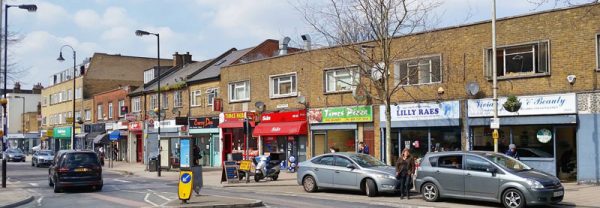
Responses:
[388,133]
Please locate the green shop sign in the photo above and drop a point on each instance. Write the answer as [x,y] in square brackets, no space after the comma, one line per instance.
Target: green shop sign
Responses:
[62,132]
[341,114]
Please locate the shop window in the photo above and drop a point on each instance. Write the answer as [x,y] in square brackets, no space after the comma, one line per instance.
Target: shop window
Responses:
[283,85]
[340,80]
[524,137]
[520,60]
[342,140]
[239,91]
[451,161]
[477,164]
[342,162]
[422,70]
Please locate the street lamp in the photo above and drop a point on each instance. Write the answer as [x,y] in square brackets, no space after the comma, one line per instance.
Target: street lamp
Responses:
[61,59]
[142,33]
[494,77]
[30,8]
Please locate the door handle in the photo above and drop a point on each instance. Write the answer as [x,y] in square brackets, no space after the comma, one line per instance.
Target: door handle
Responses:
[337,171]
[316,169]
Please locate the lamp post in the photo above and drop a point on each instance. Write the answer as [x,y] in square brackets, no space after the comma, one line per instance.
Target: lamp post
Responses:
[142,33]
[30,8]
[60,58]
[494,77]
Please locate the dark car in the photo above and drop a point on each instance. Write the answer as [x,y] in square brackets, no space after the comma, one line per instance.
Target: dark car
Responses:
[15,155]
[42,157]
[75,168]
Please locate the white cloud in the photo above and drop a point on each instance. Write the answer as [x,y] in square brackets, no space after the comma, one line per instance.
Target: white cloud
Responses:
[87,18]
[116,16]
[117,33]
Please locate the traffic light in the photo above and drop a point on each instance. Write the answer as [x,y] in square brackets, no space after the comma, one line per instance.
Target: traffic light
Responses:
[124,110]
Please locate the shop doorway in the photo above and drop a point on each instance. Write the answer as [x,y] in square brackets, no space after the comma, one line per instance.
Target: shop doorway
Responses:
[566,153]
[227,146]
[139,148]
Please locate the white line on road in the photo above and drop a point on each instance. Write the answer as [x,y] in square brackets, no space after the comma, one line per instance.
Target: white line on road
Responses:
[34,184]
[148,201]
[119,180]
[161,196]
[39,201]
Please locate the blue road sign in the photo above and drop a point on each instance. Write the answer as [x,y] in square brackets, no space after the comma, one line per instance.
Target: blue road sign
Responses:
[186,178]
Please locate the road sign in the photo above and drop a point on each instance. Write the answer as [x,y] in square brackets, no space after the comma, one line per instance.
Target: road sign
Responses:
[494,123]
[69,119]
[184,146]
[495,134]
[185,185]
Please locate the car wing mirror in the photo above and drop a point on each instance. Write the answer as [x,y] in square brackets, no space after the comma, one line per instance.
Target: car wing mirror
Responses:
[492,170]
[351,166]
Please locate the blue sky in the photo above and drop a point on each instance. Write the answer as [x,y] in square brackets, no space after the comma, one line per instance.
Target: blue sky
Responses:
[205,28]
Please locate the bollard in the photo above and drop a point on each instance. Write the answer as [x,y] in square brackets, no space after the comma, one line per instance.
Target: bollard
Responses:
[3,172]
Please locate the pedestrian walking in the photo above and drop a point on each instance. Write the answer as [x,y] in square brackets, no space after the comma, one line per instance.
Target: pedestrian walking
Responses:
[405,168]
[512,151]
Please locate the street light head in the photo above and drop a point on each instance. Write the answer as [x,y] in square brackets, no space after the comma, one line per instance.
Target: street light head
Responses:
[28,7]
[141,33]
[60,57]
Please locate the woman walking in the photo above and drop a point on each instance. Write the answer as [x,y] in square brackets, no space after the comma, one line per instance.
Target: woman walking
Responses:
[405,167]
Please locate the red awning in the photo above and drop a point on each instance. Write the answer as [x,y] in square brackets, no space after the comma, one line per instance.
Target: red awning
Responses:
[280,129]
[234,124]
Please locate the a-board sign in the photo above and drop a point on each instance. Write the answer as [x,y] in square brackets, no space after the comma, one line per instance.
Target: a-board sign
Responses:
[245,165]
[230,171]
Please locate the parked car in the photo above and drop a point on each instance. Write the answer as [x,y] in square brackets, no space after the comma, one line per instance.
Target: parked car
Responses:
[485,176]
[42,157]
[75,168]
[351,171]
[15,155]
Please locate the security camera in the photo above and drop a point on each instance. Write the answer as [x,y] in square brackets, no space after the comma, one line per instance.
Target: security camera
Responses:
[440,91]
[571,79]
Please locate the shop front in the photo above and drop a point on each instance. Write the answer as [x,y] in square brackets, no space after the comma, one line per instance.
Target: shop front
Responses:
[62,138]
[235,140]
[283,132]
[169,143]
[341,128]
[422,127]
[135,142]
[544,130]
[205,134]
[24,142]
[93,131]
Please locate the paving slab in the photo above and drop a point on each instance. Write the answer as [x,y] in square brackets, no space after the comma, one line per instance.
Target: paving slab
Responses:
[216,202]
[14,197]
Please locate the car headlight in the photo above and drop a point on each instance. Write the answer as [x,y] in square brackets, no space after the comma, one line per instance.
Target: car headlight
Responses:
[385,176]
[533,184]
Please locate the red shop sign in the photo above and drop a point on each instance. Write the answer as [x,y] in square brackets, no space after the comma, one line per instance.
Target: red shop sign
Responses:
[239,116]
[299,115]
[135,126]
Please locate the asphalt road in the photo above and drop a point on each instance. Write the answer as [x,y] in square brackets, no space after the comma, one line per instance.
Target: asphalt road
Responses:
[132,191]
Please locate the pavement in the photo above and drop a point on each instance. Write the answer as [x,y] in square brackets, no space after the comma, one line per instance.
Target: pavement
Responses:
[216,202]
[13,196]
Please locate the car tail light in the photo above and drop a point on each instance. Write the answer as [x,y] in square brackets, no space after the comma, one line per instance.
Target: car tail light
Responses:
[63,170]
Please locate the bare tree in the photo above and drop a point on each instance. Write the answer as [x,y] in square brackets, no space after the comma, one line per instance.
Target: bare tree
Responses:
[362,33]
[561,2]
[15,70]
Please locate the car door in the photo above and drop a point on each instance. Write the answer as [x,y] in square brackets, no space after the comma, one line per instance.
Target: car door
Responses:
[480,182]
[324,171]
[450,175]
[344,177]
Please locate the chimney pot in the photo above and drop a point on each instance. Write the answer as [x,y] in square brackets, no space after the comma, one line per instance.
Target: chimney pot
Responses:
[177,59]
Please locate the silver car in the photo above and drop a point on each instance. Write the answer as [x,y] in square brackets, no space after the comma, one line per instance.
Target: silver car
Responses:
[485,176]
[42,157]
[350,171]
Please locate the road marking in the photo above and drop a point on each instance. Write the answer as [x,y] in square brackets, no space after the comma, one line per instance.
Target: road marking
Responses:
[118,200]
[34,184]
[39,201]
[124,181]
[161,196]
[148,201]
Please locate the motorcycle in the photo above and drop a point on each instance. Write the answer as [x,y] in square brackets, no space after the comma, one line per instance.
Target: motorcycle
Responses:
[266,167]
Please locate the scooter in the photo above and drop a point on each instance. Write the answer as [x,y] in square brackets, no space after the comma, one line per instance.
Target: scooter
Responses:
[266,168]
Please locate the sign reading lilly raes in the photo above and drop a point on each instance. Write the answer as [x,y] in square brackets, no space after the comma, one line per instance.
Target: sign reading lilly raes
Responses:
[341,114]
[423,111]
[530,105]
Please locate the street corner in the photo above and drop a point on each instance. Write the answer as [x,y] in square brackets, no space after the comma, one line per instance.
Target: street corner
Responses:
[13,197]
[216,201]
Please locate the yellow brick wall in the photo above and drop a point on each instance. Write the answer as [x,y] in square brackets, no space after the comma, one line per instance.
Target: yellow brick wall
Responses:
[203,109]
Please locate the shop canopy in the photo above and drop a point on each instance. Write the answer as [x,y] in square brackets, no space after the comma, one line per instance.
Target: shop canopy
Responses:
[280,129]
[101,139]
[234,124]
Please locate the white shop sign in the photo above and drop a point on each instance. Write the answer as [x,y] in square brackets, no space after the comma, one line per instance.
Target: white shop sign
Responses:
[423,111]
[530,105]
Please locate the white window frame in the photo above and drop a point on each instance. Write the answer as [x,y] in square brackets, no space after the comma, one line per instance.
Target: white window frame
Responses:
[239,85]
[536,53]
[88,115]
[420,61]
[149,75]
[135,104]
[293,81]
[121,104]
[211,94]
[164,101]
[78,93]
[110,110]
[99,112]
[196,99]
[153,102]
[177,99]
[353,73]
[69,94]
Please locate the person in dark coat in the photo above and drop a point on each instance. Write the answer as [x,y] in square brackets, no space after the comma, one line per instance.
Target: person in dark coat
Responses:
[405,168]
[512,151]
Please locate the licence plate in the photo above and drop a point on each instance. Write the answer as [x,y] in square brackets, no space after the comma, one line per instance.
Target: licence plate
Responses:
[558,193]
[81,169]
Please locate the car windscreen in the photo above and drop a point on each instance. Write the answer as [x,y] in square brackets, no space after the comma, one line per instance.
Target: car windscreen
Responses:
[507,162]
[79,159]
[13,151]
[366,161]
[46,153]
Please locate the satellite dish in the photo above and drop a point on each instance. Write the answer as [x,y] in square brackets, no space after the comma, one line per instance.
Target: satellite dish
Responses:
[260,105]
[301,99]
[472,88]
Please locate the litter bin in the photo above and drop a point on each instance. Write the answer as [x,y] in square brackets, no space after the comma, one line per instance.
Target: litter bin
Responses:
[152,164]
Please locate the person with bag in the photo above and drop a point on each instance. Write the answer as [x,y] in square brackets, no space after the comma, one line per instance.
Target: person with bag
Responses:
[405,167]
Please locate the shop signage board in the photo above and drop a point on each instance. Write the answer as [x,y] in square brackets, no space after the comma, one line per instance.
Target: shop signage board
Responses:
[341,114]
[530,105]
[136,126]
[98,127]
[287,116]
[423,111]
[238,116]
[544,135]
[230,172]
[204,122]
[62,132]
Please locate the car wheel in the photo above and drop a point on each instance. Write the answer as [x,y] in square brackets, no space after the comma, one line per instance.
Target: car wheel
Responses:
[513,198]
[56,187]
[32,163]
[275,177]
[370,188]
[309,184]
[430,192]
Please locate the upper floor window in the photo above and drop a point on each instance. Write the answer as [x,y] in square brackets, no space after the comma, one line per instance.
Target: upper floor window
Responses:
[177,99]
[110,110]
[69,94]
[153,101]
[283,85]
[211,93]
[78,93]
[422,70]
[340,80]
[88,115]
[164,99]
[136,105]
[196,99]
[99,112]
[148,75]
[520,60]
[239,91]
[121,104]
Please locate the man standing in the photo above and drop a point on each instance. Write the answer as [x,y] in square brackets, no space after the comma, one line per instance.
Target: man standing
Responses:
[512,151]
[362,148]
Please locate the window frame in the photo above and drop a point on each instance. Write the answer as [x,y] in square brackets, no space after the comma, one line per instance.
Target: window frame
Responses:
[177,99]
[397,68]
[353,72]
[110,110]
[164,100]
[293,80]
[88,115]
[136,104]
[99,111]
[460,162]
[121,103]
[232,86]
[214,92]
[153,101]
[196,99]
[487,72]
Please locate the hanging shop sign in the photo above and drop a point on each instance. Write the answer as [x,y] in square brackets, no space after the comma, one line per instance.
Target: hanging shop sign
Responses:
[423,111]
[544,135]
[530,105]
[341,114]
[136,126]
[204,122]
[288,116]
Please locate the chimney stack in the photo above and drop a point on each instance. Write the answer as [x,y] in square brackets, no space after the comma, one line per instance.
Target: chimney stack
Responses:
[177,59]
[37,88]
[283,46]
[17,88]
[187,58]
[307,42]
